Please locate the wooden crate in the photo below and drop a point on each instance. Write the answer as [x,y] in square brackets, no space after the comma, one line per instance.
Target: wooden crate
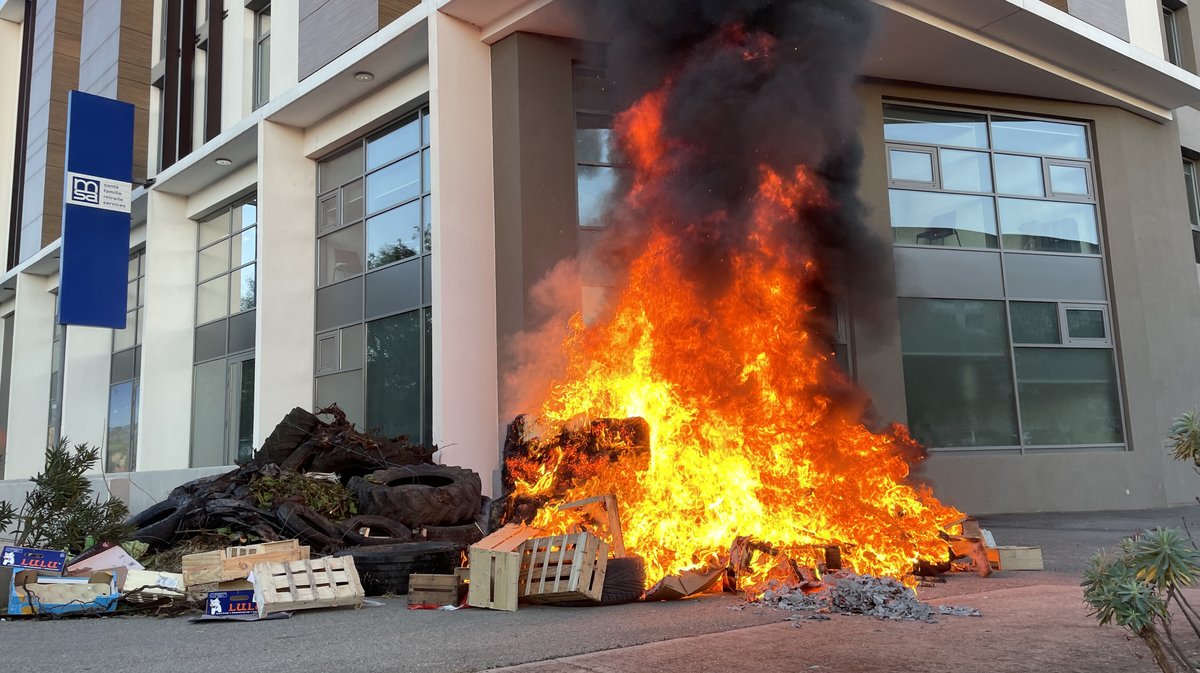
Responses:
[1015,558]
[436,590]
[495,567]
[235,563]
[563,568]
[303,585]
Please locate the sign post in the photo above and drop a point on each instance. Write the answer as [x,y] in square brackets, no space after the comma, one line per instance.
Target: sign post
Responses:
[93,275]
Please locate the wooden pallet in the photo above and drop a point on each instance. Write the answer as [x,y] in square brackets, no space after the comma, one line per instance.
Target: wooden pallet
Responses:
[303,585]
[563,568]
[235,563]
[496,566]
[612,515]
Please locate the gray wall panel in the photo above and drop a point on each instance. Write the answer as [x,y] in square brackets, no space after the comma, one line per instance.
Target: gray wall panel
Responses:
[965,274]
[332,29]
[1054,277]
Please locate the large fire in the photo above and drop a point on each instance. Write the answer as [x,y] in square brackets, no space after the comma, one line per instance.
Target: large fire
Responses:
[744,438]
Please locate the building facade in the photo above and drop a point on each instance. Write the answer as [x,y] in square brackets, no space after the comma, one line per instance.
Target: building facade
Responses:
[350,201]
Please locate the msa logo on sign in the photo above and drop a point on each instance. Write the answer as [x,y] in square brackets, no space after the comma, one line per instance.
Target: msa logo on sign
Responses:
[96,192]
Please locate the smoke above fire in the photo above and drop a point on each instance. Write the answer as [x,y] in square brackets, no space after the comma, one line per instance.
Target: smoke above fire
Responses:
[734,234]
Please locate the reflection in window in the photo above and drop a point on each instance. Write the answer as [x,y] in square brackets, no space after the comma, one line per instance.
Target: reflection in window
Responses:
[1049,226]
[1068,396]
[395,184]
[1034,322]
[1034,136]
[124,368]
[1068,180]
[934,127]
[394,235]
[596,186]
[933,218]
[394,389]
[401,141]
[966,171]
[911,166]
[1019,175]
[122,412]
[957,374]
[1086,324]
[339,255]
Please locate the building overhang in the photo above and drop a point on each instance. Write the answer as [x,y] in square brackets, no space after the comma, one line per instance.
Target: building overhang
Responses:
[12,10]
[393,51]
[1020,47]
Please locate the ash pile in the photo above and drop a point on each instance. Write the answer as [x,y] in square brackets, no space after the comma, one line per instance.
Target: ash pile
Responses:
[847,593]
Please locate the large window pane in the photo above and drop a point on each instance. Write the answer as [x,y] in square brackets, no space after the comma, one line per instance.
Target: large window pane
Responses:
[395,184]
[352,201]
[911,166]
[345,390]
[595,146]
[243,289]
[394,235]
[966,171]
[241,382]
[1068,396]
[211,230]
[212,300]
[1040,137]
[394,389]
[1034,322]
[208,414]
[341,169]
[932,218]
[126,338]
[245,215]
[1019,175]
[427,435]
[214,260]
[934,127]
[596,185]
[339,255]
[243,247]
[397,143]
[120,428]
[957,374]
[1049,226]
[1189,182]
[427,218]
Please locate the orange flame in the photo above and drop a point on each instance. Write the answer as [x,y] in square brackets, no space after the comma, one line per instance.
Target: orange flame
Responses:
[743,439]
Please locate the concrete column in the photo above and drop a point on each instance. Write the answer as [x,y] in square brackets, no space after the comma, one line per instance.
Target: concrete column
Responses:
[10,80]
[238,64]
[85,384]
[164,404]
[287,187]
[29,408]
[465,415]
[285,46]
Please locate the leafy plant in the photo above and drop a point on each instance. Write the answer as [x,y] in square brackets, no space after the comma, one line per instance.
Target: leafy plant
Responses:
[329,498]
[1185,438]
[1133,588]
[7,514]
[61,512]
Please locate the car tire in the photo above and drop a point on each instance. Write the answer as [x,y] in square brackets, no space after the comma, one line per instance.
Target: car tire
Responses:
[420,495]
[624,582]
[385,569]
[158,524]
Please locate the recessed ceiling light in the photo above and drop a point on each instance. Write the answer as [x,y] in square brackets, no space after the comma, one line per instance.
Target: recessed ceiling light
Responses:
[364,76]
[222,161]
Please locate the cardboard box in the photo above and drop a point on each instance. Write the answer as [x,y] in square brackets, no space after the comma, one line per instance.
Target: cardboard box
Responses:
[45,561]
[1015,558]
[32,594]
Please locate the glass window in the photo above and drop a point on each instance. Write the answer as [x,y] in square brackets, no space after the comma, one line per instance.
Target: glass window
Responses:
[1019,175]
[595,145]
[214,259]
[339,255]
[243,289]
[353,345]
[121,433]
[1068,396]
[1071,180]
[1171,30]
[1034,322]
[427,217]
[352,201]
[126,338]
[394,235]
[341,169]
[245,215]
[327,352]
[1086,324]
[214,228]
[1045,138]
[262,56]
[1049,226]
[934,127]
[966,171]
[244,247]
[394,389]
[208,414]
[393,185]
[345,390]
[212,300]
[596,185]
[932,218]
[327,213]
[911,166]
[1189,183]
[241,382]
[957,373]
[394,144]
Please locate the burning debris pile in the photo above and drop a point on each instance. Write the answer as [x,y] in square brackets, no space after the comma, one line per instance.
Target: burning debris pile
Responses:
[734,234]
[847,593]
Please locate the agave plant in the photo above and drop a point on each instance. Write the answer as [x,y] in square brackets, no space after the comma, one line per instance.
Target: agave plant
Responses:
[1185,438]
[1133,587]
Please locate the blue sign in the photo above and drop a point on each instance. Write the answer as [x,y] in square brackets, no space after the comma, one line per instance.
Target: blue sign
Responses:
[42,560]
[96,208]
[225,603]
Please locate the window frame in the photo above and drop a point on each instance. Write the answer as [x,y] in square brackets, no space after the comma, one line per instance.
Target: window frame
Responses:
[1172,47]
[261,76]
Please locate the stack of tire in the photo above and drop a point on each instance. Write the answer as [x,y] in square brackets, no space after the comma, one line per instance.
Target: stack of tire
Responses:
[438,505]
